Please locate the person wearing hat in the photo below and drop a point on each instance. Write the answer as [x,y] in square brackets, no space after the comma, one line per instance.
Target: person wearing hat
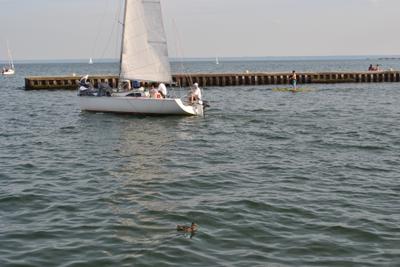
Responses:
[195,94]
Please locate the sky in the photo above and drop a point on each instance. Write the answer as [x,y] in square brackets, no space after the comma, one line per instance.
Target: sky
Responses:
[79,29]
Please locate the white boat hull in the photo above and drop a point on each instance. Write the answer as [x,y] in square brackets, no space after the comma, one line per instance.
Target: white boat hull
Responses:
[139,105]
[8,72]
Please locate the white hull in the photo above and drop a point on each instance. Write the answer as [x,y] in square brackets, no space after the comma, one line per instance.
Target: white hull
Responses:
[139,105]
[8,72]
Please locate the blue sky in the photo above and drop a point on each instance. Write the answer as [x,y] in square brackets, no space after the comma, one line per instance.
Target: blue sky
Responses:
[78,29]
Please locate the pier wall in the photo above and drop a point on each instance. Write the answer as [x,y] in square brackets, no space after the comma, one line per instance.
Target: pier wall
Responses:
[223,79]
[66,82]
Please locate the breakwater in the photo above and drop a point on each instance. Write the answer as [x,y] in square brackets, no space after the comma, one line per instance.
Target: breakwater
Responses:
[223,79]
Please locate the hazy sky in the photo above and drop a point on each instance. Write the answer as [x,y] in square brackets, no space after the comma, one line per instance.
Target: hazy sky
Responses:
[79,29]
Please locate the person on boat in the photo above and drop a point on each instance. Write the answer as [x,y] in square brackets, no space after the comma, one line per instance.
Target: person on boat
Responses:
[162,89]
[154,92]
[293,80]
[84,82]
[195,94]
[136,84]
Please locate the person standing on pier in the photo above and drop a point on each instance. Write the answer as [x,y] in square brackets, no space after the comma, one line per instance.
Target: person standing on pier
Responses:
[371,68]
[293,80]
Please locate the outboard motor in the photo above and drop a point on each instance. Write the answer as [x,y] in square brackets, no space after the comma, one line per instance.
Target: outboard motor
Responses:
[206,104]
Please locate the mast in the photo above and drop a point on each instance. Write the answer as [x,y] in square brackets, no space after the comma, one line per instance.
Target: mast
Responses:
[10,59]
[122,39]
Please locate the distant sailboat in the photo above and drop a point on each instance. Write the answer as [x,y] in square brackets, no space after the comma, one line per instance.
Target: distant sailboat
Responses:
[9,69]
[90,61]
[216,61]
[144,58]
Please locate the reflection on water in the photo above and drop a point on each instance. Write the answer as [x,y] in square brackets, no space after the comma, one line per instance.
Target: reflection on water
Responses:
[141,148]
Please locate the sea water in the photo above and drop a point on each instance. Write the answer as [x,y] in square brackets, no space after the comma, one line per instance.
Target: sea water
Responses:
[271,178]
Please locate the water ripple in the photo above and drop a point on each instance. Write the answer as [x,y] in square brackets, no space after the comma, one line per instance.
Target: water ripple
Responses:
[276,180]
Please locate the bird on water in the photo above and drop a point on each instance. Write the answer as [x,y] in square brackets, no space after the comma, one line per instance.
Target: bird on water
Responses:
[187,229]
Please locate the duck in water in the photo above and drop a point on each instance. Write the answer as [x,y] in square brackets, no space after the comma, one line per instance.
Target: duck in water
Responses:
[187,229]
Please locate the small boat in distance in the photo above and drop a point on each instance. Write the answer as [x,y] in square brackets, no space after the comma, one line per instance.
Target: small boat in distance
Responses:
[143,61]
[216,61]
[90,61]
[9,69]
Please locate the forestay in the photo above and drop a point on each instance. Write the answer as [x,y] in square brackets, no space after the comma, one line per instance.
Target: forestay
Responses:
[144,54]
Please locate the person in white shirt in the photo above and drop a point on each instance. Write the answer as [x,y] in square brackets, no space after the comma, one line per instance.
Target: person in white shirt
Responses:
[195,94]
[162,89]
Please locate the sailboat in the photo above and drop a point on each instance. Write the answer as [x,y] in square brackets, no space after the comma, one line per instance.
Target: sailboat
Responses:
[143,59]
[216,61]
[9,69]
[90,61]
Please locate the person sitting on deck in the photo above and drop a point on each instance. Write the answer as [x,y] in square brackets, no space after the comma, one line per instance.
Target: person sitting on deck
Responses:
[84,83]
[162,89]
[136,84]
[154,92]
[126,85]
[195,94]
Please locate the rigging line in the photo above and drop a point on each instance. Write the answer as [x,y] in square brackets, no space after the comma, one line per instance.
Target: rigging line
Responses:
[121,25]
[177,53]
[117,15]
[100,27]
[180,52]
[10,59]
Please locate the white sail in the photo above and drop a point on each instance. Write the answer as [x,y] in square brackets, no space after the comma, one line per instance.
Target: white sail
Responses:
[144,54]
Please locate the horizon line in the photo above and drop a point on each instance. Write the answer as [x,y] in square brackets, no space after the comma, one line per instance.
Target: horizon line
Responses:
[229,58]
